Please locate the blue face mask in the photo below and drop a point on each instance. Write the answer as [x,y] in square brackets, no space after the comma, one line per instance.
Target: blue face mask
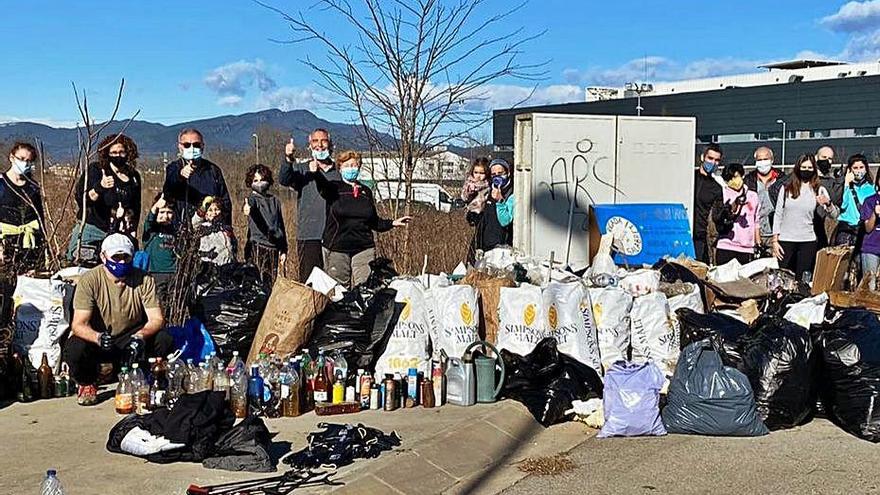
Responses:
[119,269]
[350,174]
[709,167]
[499,181]
[192,153]
[321,155]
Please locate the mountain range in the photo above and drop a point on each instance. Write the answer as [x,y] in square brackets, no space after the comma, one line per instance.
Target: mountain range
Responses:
[228,132]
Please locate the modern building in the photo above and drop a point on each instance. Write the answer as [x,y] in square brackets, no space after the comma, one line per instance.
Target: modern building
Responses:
[813,102]
[438,166]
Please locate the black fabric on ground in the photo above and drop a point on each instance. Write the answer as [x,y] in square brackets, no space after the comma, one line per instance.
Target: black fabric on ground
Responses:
[341,445]
[546,381]
[243,448]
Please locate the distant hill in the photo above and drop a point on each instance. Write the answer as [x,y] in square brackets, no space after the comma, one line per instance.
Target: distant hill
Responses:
[228,131]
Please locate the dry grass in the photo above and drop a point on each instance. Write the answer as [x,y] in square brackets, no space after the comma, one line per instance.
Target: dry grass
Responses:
[442,237]
[547,466]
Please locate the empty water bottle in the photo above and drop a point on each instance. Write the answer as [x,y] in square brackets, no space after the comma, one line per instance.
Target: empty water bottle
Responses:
[51,485]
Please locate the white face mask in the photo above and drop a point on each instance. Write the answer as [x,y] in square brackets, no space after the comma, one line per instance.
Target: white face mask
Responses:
[320,155]
[192,153]
[764,166]
[22,167]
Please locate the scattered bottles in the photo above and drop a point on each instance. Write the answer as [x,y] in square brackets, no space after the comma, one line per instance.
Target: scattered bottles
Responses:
[190,377]
[62,382]
[124,400]
[45,378]
[51,485]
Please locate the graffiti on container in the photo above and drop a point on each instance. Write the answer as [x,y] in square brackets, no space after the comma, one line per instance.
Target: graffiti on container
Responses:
[568,179]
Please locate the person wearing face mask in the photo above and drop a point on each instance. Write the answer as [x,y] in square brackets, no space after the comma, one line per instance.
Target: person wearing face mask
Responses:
[192,178]
[736,219]
[108,197]
[832,180]
[870,245]
[310,206]
[858,186]
[349,241]
[494,225]
[266,245]
[22,242]
[766,180]
[794,239]
[707,192]
[160,238]
[117,318]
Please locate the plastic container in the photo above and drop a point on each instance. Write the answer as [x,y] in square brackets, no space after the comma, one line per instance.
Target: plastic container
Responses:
[51,485]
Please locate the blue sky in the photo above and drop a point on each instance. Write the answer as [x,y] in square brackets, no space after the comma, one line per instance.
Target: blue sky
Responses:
[189,60]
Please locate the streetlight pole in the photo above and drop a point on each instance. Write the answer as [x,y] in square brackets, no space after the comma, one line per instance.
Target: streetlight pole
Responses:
[639,89]
[257,146]
[780,121]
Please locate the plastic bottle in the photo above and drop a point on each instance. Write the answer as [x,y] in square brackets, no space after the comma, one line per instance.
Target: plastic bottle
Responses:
[190,378]
[288,380]
[140,390]
[338,389]
[412,386]
[45,378]
[438,377]
[158,385]
[221,379]
[366,385]
[124,400]
[234,364]
[238,385]
[51,485]
[206,376]
[374,397]
[255,390]
[321,384]
[340,364]
[176,374]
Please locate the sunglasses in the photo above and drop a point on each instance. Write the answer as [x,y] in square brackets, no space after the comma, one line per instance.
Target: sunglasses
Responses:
[196,144]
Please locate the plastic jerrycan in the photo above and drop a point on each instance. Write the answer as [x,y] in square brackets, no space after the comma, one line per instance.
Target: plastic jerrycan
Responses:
[460,381]
[487,389]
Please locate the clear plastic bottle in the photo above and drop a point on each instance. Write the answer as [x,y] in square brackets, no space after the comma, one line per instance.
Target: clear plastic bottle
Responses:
[176,375]
[238,385]
[340,365]
[221,379]
[206,376]
[140,390]
[124,400]
[51,485]
[234,364]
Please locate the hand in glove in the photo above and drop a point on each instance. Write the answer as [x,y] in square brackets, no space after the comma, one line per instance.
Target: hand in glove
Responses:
[104,341]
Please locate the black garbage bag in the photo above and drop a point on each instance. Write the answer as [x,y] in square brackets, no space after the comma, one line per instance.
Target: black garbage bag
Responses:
[724,332]
[358,326]
[341,445]
[708,398]
[381,273]
[546,381]
[778,358]
[230,300]
[850,361]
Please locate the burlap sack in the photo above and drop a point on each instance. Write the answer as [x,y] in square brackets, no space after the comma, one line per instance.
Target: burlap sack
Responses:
[288,320]
[489,288]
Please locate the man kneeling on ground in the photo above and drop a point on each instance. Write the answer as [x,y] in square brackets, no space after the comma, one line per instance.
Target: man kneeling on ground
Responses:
[117,318]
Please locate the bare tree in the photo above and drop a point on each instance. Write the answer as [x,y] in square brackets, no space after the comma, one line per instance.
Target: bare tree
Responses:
[419,73]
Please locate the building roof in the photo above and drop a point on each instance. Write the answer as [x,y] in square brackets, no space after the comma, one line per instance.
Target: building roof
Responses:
[800,64]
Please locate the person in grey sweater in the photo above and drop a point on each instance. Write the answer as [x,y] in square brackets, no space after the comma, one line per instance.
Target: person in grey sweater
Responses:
[266,245]
[794,238]
[310,206]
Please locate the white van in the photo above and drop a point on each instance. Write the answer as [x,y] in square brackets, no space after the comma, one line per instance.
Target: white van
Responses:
[425,193]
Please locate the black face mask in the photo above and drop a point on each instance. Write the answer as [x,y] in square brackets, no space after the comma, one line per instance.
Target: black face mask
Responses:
[120,162]
[824,166]
[805,175]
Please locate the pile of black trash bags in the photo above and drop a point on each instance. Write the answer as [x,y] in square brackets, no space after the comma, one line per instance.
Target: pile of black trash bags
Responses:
[198,429]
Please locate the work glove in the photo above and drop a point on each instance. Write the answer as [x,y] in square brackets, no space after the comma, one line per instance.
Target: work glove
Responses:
[104,341]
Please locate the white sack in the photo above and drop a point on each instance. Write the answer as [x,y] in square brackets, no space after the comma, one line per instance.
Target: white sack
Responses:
[42,317]
[808,311]
[564,311]
[457,317]
[611,314]
[409,342]
[521,319]
[653,335]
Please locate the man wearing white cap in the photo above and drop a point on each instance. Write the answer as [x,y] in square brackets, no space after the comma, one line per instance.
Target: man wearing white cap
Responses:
[116,317]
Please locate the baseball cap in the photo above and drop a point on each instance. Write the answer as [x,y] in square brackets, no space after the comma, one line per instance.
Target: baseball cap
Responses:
[117,244]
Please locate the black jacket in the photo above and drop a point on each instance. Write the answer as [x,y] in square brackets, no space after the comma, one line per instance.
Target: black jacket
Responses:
[206,180]
[310,207]
[488,231]
[21,205]
[707,192]
[351,216]
[266,222]
[102,212]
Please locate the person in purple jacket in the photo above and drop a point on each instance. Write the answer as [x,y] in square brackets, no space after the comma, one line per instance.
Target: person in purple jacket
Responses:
[870,211]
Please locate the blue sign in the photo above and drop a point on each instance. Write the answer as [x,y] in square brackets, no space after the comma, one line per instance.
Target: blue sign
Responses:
[647,231]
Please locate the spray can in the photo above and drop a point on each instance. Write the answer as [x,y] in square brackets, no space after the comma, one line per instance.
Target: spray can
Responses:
[374,397]
[391,399]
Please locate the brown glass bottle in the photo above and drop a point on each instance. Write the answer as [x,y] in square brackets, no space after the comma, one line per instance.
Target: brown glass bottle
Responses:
[45,378]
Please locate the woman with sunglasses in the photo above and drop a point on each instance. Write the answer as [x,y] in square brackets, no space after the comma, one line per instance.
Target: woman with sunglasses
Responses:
[794,239]
[108,197]
[192,178]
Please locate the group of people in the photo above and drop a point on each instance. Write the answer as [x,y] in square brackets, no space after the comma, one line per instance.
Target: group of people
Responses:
[118,303]
[769,212]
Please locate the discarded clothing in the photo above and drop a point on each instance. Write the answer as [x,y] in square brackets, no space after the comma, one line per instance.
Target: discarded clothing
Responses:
[341,445]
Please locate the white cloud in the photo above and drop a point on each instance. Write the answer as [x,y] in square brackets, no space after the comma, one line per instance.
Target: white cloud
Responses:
[292,98]
[659,69]
[237,78]
[229,100]
[495,96]
[854,17]
[57,123]
[862,48]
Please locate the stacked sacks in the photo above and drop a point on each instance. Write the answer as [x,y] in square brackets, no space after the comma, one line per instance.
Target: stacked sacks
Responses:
[850,371]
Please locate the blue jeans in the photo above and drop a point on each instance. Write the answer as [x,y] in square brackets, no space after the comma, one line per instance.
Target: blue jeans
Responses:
[870,263]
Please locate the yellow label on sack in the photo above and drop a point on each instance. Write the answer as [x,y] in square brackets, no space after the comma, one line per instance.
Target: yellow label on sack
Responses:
[529,314]
[467,316]
[17,300]
[407,309]
[597,314]
[553,317]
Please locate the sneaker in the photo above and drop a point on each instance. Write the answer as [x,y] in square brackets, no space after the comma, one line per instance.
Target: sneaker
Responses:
[86,395]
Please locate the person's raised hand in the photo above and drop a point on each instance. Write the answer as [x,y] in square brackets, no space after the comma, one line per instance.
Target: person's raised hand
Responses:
[289,150]
[823,199]
[246,209]
[402,221]
[187,171]
[313,165]
[849,178]
[496,193]
[107,181]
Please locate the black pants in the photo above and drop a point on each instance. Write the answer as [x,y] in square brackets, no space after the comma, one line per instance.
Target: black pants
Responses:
[265,258]
[310,255]
[845,235]
[723,256]
[701,248]
[799,257]
[84,358]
